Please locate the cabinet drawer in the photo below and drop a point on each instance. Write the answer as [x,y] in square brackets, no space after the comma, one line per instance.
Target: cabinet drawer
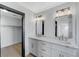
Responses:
[65,54]
[59,52]
[44,44]
[44,47]
[43,50]
[55,52]
[68,50]
[41,54]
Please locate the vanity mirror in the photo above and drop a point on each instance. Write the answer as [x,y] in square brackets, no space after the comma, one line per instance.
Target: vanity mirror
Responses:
[39,25]
[63,26]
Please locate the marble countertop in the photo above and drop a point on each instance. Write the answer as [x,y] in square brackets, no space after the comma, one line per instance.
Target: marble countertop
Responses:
[53,40]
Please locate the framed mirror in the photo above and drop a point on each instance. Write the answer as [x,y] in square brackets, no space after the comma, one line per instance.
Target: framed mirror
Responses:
[63,27]
[39,26]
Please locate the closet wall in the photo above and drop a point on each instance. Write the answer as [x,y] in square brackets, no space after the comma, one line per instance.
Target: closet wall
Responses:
[10,28]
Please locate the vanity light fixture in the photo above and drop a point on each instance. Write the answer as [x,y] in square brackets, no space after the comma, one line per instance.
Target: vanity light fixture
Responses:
[39,18]
[63,12]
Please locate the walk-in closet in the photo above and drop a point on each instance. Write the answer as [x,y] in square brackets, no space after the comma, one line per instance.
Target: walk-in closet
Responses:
[11,34]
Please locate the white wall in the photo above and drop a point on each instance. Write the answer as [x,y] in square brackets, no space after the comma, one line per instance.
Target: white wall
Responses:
[29,24]
[10,36]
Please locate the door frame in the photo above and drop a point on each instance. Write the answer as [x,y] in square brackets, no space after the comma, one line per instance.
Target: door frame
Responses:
[23,27]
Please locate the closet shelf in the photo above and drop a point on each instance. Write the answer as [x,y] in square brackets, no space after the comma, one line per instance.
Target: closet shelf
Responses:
[10,26]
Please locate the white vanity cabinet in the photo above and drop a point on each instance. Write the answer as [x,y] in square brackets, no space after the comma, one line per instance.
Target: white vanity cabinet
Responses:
[46,49]
[40,48]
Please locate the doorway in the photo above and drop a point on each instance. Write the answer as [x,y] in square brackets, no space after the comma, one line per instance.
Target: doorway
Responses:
[11,32]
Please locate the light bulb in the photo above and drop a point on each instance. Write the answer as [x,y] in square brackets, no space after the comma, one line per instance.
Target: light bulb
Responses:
[57,15]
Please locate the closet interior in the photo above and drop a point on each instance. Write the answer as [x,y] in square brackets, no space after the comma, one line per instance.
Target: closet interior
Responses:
[11,34]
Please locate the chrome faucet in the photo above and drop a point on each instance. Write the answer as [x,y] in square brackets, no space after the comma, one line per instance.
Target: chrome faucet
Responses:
[61,37]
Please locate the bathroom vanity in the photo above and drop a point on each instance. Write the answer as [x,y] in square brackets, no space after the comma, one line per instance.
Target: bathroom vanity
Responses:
[61,33]
[41,47]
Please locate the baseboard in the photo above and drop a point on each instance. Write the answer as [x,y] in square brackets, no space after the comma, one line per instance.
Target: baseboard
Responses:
[10,45]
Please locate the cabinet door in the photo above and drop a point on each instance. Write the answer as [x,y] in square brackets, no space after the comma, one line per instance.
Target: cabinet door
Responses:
[41,54]
[54,52]
[44,48]
[34,47]
[58,51]
[65,54]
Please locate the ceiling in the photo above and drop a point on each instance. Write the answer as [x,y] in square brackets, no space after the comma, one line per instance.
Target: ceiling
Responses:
[39,6]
